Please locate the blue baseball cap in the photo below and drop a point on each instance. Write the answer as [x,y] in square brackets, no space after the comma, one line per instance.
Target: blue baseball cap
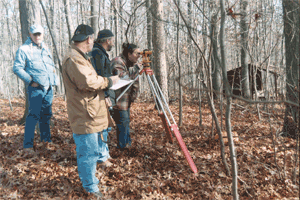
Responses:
[36,28]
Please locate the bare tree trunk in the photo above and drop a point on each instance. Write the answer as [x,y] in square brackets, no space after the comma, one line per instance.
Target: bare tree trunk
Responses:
[133,17]
[121,34]
[104,16]
[159,47]
[34,12]
[7,86]
[228,107]
[149,24]
[82,13]
[298,133]
[215,63]
[179,69]
[291,32]
[218,127]
[68,19]
[189,59]
[116,27]
[291,28]
[94,16]
[244,52]
[256,38]
[111,19]
[202,63]
[24,20]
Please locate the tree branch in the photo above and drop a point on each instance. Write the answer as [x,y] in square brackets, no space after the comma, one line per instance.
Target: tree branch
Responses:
[53,40]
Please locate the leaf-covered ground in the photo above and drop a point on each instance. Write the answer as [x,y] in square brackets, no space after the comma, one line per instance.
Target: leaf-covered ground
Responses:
[152,168]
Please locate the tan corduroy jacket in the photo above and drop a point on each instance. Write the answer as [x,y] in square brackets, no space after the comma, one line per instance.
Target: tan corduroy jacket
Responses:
[84,91]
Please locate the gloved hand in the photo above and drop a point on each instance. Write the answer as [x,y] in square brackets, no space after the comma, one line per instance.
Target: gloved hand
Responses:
[115,79]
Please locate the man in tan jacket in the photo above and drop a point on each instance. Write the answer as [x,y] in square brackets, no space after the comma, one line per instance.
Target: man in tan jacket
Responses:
[87,111]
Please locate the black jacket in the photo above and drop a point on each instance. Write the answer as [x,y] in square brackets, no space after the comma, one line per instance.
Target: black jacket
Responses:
[101,62]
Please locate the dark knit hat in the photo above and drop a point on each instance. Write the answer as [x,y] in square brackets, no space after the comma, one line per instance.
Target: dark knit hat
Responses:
[82,32]
[105,33]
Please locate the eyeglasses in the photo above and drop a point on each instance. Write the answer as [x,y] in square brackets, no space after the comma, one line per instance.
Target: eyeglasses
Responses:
[37,34]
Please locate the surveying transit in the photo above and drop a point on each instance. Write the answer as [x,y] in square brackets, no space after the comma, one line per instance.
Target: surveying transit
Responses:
[161,106]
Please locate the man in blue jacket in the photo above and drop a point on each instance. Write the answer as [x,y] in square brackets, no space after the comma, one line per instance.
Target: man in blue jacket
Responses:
[34,65]
[100,59]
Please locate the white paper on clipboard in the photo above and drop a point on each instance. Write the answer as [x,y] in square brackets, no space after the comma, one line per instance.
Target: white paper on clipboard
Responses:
[120,83]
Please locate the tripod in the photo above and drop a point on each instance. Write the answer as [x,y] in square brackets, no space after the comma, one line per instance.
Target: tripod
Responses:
[162,107]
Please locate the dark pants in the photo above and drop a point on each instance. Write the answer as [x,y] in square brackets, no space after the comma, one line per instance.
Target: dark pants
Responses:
[122,120]
[40,102]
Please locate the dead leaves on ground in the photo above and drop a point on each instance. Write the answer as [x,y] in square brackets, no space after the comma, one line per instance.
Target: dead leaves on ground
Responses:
[152,168]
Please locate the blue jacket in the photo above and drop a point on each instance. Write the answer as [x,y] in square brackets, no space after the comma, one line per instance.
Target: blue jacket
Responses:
[35,63]
[101,63]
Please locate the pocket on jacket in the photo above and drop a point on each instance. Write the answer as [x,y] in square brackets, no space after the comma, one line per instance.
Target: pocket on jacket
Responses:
[93,106]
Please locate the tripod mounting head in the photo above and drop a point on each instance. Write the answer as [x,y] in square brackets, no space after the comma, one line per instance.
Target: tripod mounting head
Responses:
[146,57]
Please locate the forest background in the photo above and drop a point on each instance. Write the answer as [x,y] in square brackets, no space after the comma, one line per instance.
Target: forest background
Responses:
[244,144]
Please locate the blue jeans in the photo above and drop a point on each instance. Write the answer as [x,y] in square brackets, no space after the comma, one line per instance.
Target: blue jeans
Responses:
[90,149]
[122,120]
[40,102]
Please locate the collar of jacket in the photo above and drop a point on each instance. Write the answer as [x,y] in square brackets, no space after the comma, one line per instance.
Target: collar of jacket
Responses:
[29,41]
[99,46]
[85,55]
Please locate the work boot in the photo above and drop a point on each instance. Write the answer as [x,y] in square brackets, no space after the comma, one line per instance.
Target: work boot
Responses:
[98,195]
[131,131]
[28,152]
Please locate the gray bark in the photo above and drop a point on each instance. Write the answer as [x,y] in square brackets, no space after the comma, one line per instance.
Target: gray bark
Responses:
[179,69]
[24,20]
[116,27]
[189,60]
[68,19]
[133,21]
[215,63]
[244,52]
[121,34]
[34,12]
[104,16]
[159,47]
[149,24]
[94,16]
[291,33]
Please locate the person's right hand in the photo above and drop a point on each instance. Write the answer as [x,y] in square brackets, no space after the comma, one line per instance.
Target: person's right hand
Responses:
[34,84]
[115,79]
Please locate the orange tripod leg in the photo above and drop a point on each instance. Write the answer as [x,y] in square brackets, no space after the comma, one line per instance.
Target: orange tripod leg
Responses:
[183,148]
[167,128]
